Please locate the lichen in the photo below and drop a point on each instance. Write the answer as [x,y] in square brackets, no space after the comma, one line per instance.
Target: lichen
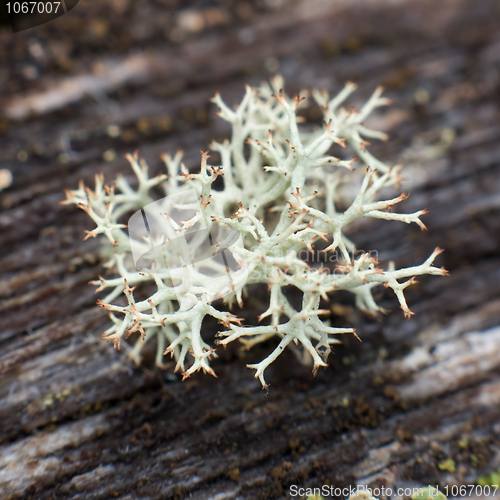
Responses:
[273,195]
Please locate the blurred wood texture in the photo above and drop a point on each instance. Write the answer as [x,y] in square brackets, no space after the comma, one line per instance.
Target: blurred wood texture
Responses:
[77,421]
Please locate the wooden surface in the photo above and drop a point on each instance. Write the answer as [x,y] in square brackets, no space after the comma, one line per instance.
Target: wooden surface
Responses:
[78,421]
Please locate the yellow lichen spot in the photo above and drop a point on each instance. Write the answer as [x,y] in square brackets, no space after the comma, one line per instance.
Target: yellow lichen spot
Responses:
[448,465]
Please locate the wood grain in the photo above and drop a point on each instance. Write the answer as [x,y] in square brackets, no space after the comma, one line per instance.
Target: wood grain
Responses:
[78,421]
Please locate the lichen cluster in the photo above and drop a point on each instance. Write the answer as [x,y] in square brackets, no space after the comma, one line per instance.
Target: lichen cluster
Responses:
[273,194]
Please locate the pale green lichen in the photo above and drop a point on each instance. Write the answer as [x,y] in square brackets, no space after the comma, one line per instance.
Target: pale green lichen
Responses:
[279,191]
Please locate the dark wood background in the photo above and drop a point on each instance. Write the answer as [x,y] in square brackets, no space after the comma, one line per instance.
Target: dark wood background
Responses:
[79,421]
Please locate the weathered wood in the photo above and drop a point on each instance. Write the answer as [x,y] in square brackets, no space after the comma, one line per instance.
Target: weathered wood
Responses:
[79,421]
